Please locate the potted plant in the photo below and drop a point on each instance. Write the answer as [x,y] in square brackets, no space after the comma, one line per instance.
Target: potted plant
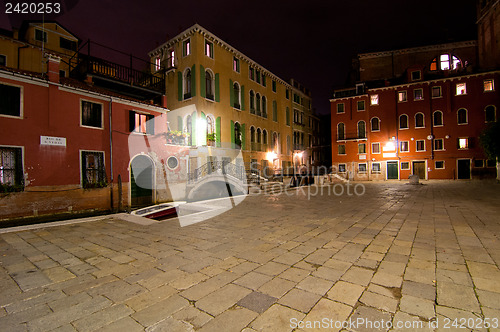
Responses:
[211,139]
[176,137]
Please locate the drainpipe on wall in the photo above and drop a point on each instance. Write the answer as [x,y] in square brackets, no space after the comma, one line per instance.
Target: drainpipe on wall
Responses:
[398,144]
[431,122]
[111,150]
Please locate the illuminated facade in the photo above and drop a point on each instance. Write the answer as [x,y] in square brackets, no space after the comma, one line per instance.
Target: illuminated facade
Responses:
[225,101]
[423,118]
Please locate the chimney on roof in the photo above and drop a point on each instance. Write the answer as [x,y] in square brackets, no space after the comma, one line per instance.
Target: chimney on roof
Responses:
[53,64]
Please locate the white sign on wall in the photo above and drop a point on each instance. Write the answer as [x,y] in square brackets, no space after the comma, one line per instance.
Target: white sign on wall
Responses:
[54,141]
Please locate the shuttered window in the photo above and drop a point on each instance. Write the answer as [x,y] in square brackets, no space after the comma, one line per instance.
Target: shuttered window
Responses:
[10,100]
[141,123]
[91,114]
[11,167]
[93,170]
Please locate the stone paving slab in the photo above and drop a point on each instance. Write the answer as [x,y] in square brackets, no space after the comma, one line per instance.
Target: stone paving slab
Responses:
[423,254]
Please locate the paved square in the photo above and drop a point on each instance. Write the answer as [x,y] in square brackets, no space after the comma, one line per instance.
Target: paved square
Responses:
[396,255]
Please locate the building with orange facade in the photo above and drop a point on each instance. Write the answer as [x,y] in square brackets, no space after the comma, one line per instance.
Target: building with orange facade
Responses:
[417,111]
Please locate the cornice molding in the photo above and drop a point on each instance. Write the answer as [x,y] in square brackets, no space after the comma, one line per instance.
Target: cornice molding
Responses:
[216,40]
[448,46]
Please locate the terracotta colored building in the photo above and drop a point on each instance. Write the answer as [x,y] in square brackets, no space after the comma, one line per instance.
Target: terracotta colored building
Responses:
[419,111]
[425,127]
[72,145]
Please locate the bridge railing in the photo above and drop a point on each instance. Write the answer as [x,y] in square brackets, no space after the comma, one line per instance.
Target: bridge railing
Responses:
[217,167]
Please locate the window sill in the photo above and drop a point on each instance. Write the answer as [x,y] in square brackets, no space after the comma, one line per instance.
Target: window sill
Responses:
[11,116]
[91,127]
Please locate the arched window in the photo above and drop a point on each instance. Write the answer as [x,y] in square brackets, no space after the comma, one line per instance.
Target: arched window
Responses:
[340,131]
[419,120]
[403,121]
[236,91]
[361,129]
[462,116]
[187,84]
[252,138]
[264,106]
[237,134]
[276,143]
[209,89]
[445,62]
[490,114]
[437,118]
[252,102]
[257,101]
[210,125]
[264,136]
[375,123]
[258,136]
[288,145]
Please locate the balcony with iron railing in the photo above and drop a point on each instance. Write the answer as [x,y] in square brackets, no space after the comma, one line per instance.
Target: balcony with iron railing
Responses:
[126,79]
[351,136]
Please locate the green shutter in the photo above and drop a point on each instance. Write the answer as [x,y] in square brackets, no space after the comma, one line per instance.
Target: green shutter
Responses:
[179,86]
[179,123]
[232,134]
[193,81]
[203,89]
[231,93]
[203,138]
[275,111]
[217,132]
[242,97]
[217,93]
[243,132]
[193,128]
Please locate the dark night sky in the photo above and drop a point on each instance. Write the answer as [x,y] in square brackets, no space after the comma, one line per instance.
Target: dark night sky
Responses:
[312,41]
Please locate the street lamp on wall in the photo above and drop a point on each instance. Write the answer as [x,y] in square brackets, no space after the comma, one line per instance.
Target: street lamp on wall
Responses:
[271,155]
